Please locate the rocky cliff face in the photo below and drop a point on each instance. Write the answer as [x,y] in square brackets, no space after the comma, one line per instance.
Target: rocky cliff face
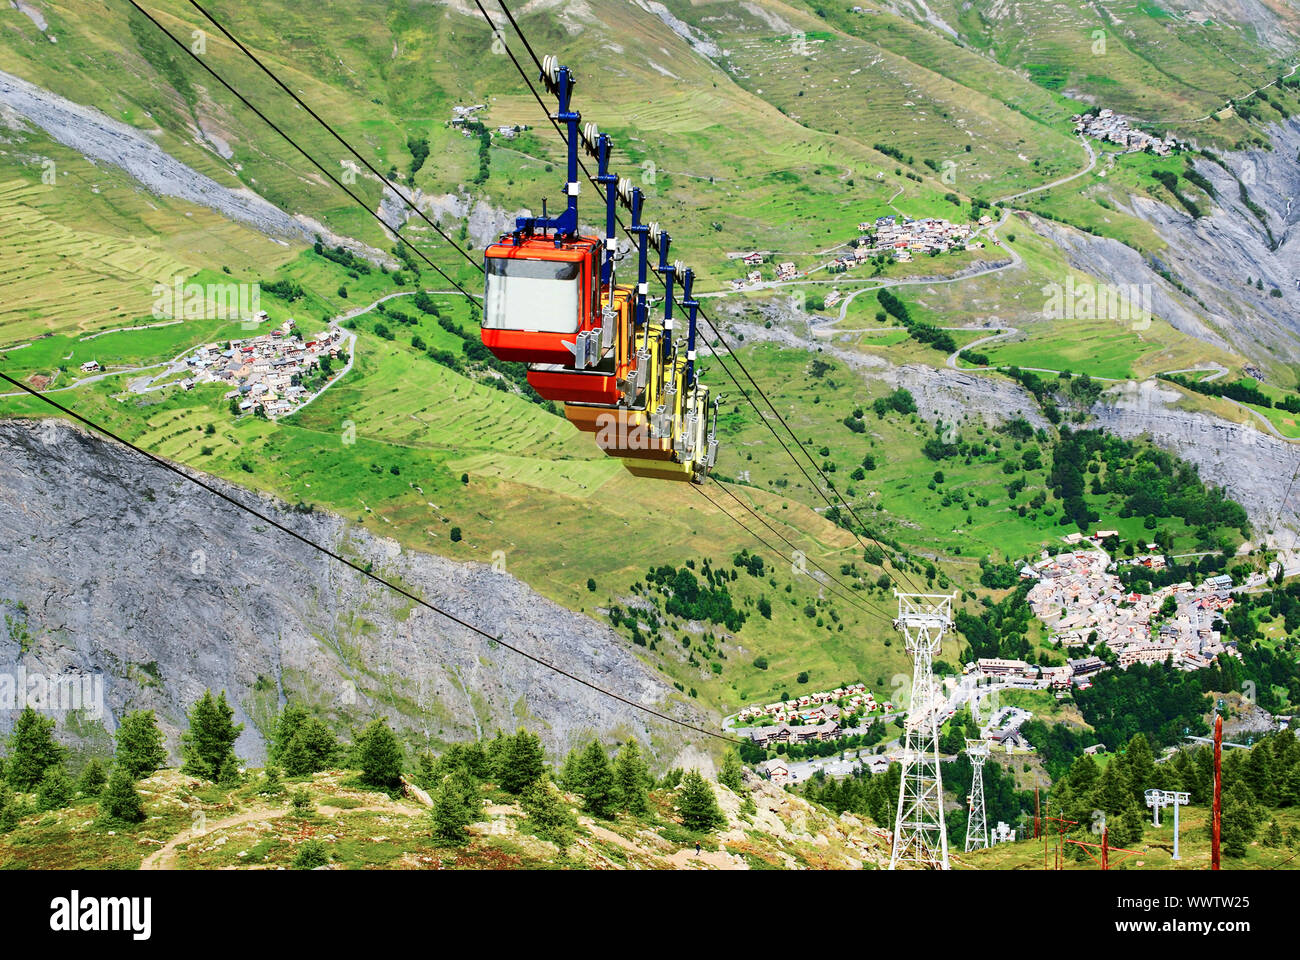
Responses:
[1255,468]
[1215,255]
[117,568]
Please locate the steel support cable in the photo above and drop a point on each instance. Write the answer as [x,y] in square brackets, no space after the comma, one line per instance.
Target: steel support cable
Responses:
[849,598]
[764,521]
[415,598]
[242,99]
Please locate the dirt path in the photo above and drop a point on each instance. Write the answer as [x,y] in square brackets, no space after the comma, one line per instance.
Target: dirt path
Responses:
[687,859]
[1092,162]
[164,858]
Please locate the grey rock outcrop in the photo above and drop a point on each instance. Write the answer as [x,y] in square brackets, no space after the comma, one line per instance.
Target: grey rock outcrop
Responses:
[115,567]
[1253,467]
[103,139]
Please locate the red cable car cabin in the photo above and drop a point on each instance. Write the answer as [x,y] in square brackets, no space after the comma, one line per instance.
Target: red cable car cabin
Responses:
[538,296]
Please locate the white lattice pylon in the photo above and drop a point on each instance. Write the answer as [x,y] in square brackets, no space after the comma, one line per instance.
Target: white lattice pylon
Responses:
[977,830]
[919,835]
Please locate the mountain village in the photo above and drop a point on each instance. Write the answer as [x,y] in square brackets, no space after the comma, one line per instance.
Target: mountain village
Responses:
[269,372]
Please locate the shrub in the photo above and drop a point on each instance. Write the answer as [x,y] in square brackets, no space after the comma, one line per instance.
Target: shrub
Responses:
[120,803]
[311,854]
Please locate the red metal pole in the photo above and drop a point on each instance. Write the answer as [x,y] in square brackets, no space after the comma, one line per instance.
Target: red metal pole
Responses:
[1218,788]
[1105,846]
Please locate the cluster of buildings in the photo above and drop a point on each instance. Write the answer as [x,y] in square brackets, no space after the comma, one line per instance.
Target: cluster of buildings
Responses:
[786,733]
[854,699]
[814,716]
[1076,595]
[784,271]
[905,236]
[782,771]
[463,116]
[264,371]
[1109,126]
[900,236]
[1019,674]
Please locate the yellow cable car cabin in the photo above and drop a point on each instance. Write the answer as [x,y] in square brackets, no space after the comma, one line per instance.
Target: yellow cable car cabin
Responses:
[684,418]
[625,428]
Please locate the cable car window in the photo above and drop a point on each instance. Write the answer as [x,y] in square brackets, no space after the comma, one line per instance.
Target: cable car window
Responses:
[539,295]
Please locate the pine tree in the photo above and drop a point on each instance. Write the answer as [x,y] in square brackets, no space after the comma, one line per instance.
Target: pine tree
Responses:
[379,756]
[595,781]
[456,804]
[548,814]
[311,854]
[32,750]
[1140,766]
[470,757]
[520,762]
[568,778]
[8,808]
[301,804]
[1273,836]
[55,789]
[229,775]
[1132,823]
[311,748]
[1083,775]
[140,744]
[426,771]
[1258,773]
[92,778]
[208,746]
[697,803]
[119,803]
[286,725]
[632,780]
[1113,793]
[733,772]
[272,785]
[1288,794]
[1239,819]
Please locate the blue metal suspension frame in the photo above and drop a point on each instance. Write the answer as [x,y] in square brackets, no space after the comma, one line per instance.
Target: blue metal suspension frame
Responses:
[692,310]
[642,232]
[604,146]
[566,224]
[669,271]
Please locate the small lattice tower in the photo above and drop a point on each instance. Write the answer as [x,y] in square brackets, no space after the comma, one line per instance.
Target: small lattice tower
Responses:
[977,828]
[919,836]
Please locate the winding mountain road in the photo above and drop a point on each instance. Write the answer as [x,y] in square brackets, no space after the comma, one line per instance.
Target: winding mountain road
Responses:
[1092,162]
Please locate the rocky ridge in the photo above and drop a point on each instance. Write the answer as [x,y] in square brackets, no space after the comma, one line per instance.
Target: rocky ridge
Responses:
[118,568]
